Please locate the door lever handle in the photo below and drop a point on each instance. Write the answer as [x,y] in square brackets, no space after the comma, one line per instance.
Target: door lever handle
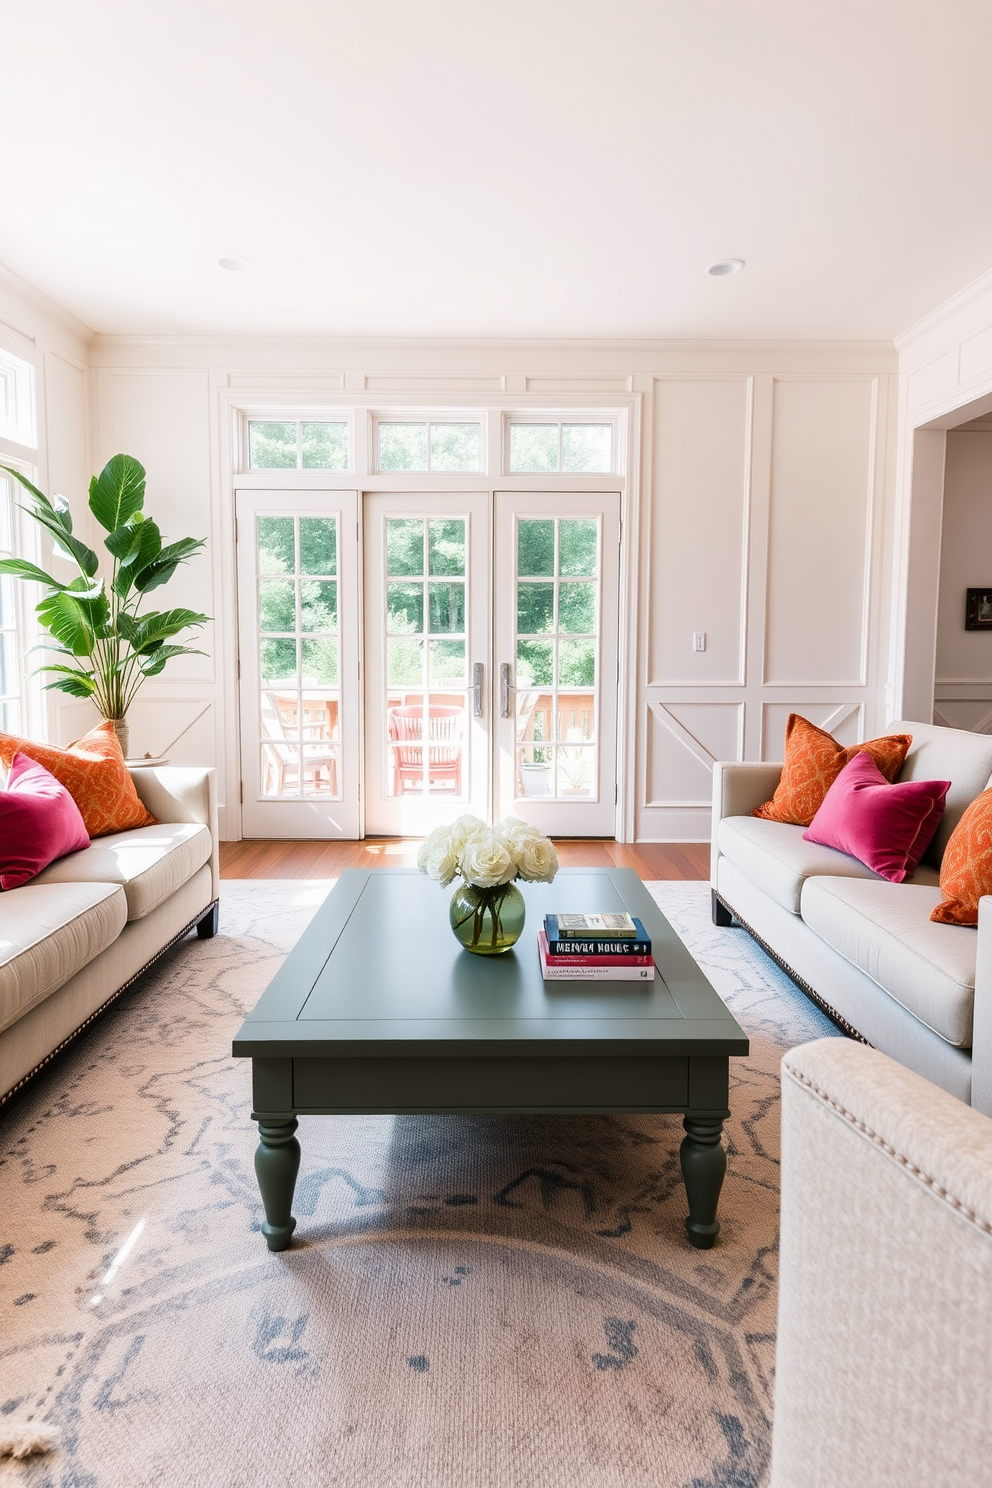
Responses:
[504,690]
[478,676]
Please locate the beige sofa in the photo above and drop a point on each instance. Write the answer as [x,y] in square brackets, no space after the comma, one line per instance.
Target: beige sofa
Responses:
[79,934]
[865,949]
[883,1370]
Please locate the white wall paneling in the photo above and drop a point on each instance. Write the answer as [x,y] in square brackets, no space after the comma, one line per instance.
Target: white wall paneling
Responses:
[767,508]
[722,443]
[963,687]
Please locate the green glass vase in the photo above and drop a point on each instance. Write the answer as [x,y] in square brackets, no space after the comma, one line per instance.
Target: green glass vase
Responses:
[487,921]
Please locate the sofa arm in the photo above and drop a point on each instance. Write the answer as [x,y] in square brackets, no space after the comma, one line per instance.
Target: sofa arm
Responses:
[883,1371]
[737,789]
[981,1037]
[181,793]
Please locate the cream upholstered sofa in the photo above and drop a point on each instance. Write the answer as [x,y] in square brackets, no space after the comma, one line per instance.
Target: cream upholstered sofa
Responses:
[76,936]
[883,1371]
[866,949]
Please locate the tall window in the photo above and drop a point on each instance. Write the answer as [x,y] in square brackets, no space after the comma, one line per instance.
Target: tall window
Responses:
[18,440]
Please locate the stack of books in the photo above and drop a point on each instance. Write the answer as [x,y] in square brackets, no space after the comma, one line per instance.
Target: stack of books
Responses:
[595,948]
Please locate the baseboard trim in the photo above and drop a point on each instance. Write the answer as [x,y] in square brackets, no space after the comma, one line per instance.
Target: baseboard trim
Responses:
[26,1080]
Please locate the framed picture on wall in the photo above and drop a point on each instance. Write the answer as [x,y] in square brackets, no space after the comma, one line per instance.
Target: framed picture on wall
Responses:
[978,610]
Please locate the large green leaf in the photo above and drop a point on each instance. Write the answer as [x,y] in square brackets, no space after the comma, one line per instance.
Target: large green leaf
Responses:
[117,492]
[151,665]
[69,621]
[22,569]
[79,686]
[25,482]
[65,543]
[149,631]
[71,679]
[161,569]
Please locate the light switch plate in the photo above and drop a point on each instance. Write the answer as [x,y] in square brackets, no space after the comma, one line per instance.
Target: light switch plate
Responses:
[699,640]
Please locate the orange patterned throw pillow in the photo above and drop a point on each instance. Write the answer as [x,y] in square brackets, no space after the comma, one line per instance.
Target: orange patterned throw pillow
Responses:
[966,867]
[813,760]
[94,773]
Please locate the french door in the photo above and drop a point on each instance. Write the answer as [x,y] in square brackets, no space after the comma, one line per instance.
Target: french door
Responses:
[405,659]
[298,621]
[491,660]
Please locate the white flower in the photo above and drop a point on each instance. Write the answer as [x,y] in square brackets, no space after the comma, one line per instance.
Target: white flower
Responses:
[438,855]
[535,856]
[486,861]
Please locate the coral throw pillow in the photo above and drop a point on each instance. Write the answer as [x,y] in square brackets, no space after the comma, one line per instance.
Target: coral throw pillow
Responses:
[39,822]
[95,775]
[966,867]
[813,760]
[886,827]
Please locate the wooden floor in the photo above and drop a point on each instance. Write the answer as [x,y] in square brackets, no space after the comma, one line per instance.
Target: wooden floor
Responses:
[652,860]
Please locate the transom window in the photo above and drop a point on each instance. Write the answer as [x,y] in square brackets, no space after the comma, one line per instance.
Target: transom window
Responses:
[428,444]
[297,444]
[546,446]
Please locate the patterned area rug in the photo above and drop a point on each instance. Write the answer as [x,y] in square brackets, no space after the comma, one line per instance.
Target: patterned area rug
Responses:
[472,1302]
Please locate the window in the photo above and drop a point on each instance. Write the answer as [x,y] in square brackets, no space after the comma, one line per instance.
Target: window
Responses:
[439,445]
[10,671]
[291,444]
[17,405]
[545,447]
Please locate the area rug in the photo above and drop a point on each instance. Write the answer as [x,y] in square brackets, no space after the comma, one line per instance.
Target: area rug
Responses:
[472,1302]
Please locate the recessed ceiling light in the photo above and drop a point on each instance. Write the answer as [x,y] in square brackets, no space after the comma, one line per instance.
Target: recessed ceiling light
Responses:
[234,262]
[724,266]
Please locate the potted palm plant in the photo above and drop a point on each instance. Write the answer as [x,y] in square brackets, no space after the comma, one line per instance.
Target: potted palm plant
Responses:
[104,643]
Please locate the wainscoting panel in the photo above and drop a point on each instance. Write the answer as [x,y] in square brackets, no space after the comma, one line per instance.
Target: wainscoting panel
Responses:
[819,531]
[684,741]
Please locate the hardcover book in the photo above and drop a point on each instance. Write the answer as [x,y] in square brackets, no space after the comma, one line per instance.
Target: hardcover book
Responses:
[585,926]
[575,970]
[640,945]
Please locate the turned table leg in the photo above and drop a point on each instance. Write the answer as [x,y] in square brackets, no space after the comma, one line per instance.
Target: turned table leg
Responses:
[704,1164]
[277,1162]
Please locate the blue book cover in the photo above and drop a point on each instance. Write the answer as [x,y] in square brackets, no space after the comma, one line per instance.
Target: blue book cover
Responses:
[640,945]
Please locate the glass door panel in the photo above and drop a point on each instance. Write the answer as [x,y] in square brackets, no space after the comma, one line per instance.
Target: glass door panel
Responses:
[299,724]
[427,568]
[557,573]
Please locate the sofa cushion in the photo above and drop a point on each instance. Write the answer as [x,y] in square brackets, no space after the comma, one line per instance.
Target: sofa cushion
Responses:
[888,827]
[151,863]
[47,933]
[39,822]
[885,931]
[948,754]
[93,771]
[813,760]
[777,859]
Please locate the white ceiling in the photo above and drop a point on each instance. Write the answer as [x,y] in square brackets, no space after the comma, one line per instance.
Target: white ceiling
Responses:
[497,167]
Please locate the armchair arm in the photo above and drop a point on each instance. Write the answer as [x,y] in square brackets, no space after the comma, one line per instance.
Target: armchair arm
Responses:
[883,1370]
[181,793]
[737,789]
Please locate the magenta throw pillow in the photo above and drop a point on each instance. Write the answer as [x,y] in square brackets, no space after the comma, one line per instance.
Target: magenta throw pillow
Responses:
[39,822]
[886,827]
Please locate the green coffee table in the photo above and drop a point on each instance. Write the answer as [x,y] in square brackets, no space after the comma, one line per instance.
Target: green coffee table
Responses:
[379,1010]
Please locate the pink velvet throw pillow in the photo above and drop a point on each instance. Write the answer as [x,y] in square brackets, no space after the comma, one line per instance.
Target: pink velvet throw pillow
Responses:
[886,827]
[39,822]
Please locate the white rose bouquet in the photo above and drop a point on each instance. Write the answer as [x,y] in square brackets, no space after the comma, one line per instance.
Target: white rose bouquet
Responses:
[487,913]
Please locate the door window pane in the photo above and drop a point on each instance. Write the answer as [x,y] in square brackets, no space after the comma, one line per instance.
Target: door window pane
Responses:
[404,545]
[447,607]
[448,666]
[405,609]
[556,696]
[298,670]
[535,547]
[276,545]
[318,545]
[404,663]
[447,546]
